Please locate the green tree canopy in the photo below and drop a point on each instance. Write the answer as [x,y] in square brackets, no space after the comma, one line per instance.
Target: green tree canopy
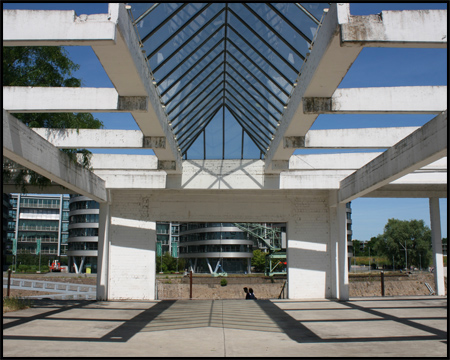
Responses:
[43,66]
[398,234]
[259,260]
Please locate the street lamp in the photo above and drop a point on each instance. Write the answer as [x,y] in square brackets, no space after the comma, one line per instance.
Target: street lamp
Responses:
[406,255]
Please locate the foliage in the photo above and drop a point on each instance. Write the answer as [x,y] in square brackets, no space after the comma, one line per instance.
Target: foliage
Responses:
[169,263]
[14,303]
[30,262]
[259,260]
[413,234]
[374,260]
[46,66]
[223,282]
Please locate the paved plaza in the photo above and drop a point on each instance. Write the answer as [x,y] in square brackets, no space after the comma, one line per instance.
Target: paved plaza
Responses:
[362,327]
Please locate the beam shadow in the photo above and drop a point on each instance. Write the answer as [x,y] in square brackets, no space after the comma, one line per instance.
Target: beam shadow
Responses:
[260,315]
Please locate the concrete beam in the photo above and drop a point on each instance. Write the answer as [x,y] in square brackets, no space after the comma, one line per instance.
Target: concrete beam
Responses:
[54,28]
[380,100]
[123,162]
[364,138]
[115,43]
[23,146]
[320,76]
[26,99]
[422,147]
[128,70]
[410,28]
[92,138]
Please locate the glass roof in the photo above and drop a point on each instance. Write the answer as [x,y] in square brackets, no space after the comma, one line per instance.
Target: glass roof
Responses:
[228,65]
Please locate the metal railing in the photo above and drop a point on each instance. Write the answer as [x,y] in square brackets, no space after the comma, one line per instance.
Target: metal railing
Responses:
[33,251]
[34,239]
[37,227]
[39,206]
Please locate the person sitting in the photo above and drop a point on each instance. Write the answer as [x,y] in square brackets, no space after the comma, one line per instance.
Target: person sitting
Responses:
[252,296]
[247,296]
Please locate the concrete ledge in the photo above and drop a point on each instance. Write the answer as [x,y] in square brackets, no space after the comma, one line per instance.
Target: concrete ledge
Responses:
[410,28]
[54,28]
[42,99]
[23,146]
[422,147]
[380,100]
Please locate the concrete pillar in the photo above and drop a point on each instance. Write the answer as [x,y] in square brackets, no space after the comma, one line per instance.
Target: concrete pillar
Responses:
[436,242]
[103,251]
[342,252]
[334,252]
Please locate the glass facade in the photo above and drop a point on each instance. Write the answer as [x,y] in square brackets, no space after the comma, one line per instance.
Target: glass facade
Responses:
[82,241]
[233,64]
[38,217]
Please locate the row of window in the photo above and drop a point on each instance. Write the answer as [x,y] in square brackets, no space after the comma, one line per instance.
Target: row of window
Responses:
[213,236]
[83,232]
[193,226]
[83,246]
[83,218]
[82,205]
[31,202]
[214,248]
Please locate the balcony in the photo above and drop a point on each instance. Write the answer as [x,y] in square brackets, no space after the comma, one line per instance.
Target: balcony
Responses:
[34,239]
[33,251]
[38,228]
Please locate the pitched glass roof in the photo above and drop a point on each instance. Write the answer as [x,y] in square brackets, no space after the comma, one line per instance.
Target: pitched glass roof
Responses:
[237,62]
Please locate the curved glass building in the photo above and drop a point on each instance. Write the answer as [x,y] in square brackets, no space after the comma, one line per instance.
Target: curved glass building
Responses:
[216,247]
[83,234]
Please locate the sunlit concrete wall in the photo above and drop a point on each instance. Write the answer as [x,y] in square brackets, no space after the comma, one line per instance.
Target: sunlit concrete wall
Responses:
[134,214]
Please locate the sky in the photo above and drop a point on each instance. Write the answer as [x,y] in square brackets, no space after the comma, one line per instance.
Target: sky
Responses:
[374,67]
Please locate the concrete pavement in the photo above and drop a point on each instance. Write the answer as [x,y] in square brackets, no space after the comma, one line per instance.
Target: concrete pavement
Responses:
[361,327]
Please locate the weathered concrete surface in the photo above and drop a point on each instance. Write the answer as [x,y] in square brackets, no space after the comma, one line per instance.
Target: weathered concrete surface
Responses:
[385,327]
[23,146]
[380,100]
[412,28]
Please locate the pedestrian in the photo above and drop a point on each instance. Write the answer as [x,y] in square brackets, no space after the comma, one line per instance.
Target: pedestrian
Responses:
[252,296]
[247,295]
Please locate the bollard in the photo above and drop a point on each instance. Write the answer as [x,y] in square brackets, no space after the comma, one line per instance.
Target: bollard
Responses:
[382,283]
[9,282]
[190,284]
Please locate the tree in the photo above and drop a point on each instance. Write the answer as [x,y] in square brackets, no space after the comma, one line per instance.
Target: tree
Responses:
[259,260]
[398,234]
[46,66]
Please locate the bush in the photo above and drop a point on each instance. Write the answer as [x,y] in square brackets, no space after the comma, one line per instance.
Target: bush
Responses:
[15,303]
[223,282]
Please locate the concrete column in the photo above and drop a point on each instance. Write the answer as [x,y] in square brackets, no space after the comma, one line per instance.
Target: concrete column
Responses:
[342,252]
[436,242]
[334,253]
[103,251]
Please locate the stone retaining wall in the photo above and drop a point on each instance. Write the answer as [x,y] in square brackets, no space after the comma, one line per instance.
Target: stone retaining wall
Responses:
[210,288]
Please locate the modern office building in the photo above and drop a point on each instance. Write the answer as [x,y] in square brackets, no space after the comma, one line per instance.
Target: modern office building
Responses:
[226,247]
[34,219]
[167,235]
[83,234]
[6,241]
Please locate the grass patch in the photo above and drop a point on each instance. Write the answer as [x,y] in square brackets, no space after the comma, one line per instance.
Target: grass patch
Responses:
[15,303]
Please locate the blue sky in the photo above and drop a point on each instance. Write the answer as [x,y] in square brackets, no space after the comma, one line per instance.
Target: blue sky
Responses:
[374,67]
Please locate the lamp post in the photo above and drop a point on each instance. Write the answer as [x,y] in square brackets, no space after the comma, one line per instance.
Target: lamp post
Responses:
[369,258]
[406,255]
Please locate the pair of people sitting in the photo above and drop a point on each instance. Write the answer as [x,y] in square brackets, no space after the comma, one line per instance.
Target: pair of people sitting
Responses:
[249,294]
